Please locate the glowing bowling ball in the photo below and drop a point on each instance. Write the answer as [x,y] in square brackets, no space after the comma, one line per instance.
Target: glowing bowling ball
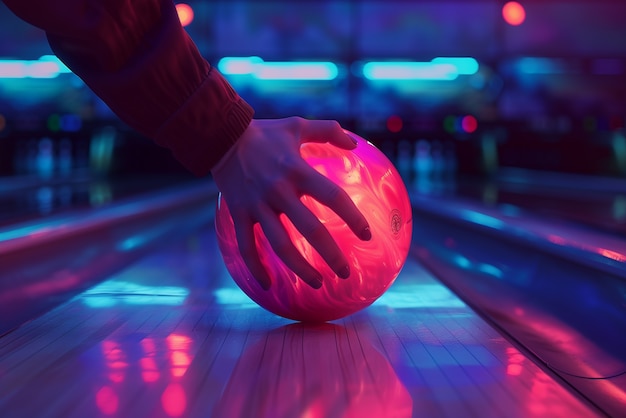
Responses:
[378,191]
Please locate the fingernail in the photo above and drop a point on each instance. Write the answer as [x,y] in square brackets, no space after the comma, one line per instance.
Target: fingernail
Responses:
[344,272]
[366,234]
[354,141]
[316,283]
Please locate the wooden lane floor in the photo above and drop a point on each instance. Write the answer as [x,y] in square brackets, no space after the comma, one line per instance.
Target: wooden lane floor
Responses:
[171,336]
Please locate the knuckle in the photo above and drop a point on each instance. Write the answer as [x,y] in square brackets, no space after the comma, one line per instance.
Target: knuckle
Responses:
[295,122]
[333,124]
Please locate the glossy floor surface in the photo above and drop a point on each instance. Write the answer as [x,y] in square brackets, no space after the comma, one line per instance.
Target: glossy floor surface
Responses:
[170,336]
[29,198]
[598,202]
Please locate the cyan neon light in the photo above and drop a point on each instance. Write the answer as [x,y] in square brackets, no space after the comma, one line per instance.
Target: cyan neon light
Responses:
[464,65]
[440,68]
[482,219]
[419,296]
[296,71]
[115,292]
[233,296]
[393,70]
[277,70]
[238,65]
[47,66]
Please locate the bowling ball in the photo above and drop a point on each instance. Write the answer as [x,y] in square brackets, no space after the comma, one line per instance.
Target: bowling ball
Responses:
[377,189]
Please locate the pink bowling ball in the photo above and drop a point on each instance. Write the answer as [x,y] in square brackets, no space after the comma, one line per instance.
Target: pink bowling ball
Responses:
[378,191]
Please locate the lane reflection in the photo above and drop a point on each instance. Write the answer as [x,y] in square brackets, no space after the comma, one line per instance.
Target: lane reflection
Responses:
[152,366]
[306,370]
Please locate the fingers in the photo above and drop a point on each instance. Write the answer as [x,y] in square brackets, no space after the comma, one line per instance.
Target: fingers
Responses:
[318,236]
[289,254]
[311,229]
[323,131]
[329,194]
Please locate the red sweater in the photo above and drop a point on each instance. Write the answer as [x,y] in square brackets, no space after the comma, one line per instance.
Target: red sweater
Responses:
[135,55]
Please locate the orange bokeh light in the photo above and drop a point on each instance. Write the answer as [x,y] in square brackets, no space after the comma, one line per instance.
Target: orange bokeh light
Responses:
[514,13]
[185,13]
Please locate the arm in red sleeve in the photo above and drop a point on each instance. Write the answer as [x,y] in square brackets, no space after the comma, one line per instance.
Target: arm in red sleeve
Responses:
[137,58]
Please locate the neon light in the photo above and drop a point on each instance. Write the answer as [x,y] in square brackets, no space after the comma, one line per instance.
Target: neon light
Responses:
[296,71]
[238,65]
[390,70]
[482,219]
[419,296]
[114,292]
[464,65]
[233,296]
[47,66]
[278,70]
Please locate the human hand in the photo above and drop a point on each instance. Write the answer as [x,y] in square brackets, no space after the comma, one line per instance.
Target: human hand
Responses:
[263,176]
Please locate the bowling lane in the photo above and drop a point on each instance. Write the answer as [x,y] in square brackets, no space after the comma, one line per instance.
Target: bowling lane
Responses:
[555,287]
[46,261]
[593,201]
[28,198]
[170,336]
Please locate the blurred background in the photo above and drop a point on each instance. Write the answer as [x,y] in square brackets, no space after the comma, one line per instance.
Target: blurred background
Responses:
[493,100]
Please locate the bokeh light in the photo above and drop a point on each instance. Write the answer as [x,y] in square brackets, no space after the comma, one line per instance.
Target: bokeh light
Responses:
[394,123]
[469,124]
[185,13]
[514,13]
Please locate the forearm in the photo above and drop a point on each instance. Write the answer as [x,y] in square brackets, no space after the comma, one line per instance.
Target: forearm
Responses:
[136,57]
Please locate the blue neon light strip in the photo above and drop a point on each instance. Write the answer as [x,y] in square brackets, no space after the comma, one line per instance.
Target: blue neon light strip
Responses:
[440,68]
[47,66]
[258,69]
[464,65]
[383,70]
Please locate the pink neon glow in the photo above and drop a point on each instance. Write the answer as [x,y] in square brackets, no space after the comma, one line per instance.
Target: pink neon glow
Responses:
[178,342]
[115,361]
[298,370]
[149,369]
[107,400]
[180,363]
[378,190]
[174,400]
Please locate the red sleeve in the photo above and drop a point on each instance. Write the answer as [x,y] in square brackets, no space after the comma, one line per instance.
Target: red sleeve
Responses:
[135,55]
